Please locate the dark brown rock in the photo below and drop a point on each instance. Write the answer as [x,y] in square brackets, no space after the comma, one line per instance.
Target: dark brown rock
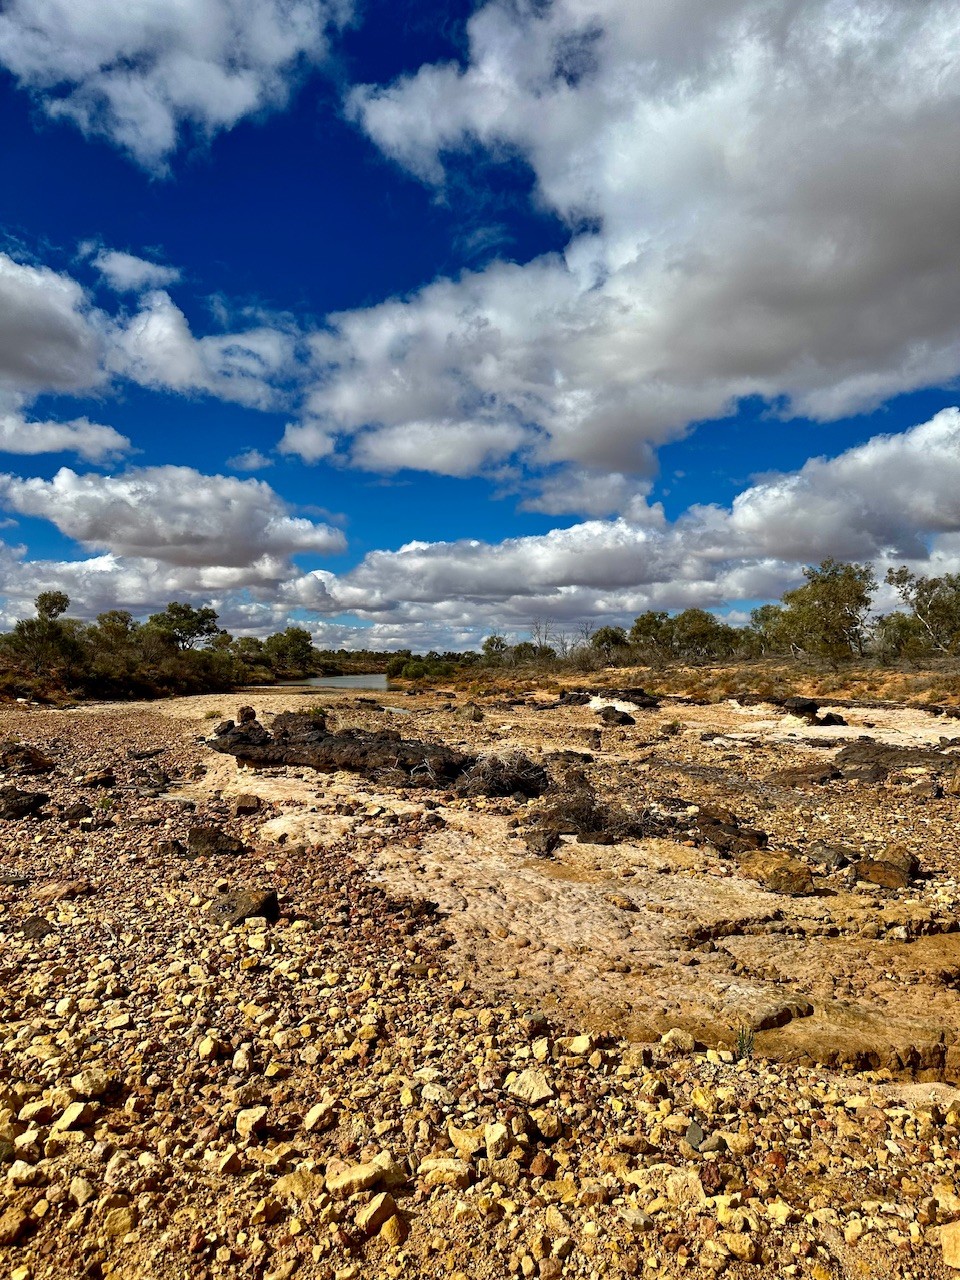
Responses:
[63,890]
[18,758]
[805,707]
[884,874]
[832,856]
[241,904]
[74,814]
[15,803]
[611,716]
[207,841]
[36,928]
[869,761]
[303,739]
[894,868]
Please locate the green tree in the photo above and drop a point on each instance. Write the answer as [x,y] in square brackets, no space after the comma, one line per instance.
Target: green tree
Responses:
[899,636]
[827,617]
[697,635]
[525,651]
[652,635]
[290,652]
[609,641]
[186,625]
[934,603]
[494,649]
[45,646]
[50,604]
[767,624]
[116,626]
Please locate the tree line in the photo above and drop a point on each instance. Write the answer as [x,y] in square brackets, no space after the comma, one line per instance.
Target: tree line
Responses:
[181,649]
[830,618]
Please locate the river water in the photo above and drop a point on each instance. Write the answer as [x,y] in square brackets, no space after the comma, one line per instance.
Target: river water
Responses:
[369,681]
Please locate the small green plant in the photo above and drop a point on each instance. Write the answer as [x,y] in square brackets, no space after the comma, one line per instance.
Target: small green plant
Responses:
[213,715]
[670,728]
[104,804]
[743,1047]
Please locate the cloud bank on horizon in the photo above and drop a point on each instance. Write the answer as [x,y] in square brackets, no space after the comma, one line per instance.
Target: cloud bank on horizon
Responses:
[759,202]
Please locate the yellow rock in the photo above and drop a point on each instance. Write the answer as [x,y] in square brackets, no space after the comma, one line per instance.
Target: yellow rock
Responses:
[950,1244]
[444,1172]
[466,1142]
[394,1231]
[375,1214]
[119,1222]
[320,1116]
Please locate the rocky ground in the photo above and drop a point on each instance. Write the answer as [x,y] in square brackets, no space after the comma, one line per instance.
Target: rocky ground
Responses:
[691,1011]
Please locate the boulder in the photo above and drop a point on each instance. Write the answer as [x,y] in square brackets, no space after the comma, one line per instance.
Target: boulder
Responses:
[832,856]
[779,872]
[300,738]
[894,868]
[612,716]
[18,758]
[207,841]
[233,906]
[806,708]
[15,803]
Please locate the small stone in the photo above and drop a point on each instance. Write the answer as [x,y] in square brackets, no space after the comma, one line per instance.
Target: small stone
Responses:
[208,1048]
[394,1231]
[361,1177]
[506,1172]
[22,1174]
[374,1215]
[251,1121]
[497,1141]
[445,1172]
[81,1191]
[92,1082]
[233,907]
[531,1086]
[694,1135]
[320,1116]
[119,1222]
[466,1142]
[741,1246]
[76,1116]
[678,1040]
[265,1211]
[778,872]
[14,1225]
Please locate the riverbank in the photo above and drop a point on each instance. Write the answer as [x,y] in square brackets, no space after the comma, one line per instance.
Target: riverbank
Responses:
[437,1052]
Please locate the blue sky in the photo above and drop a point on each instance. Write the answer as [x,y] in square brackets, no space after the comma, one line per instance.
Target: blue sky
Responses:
[413,322]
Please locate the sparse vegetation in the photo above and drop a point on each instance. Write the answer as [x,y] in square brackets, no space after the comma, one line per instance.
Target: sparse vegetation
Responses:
[743,1046]
[823,632]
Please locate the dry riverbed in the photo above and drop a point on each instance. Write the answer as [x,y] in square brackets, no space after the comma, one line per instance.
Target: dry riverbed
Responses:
[275,1022]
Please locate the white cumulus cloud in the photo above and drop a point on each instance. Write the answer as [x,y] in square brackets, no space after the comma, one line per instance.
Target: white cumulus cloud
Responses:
[761,201]
[89,440]
[125,271]
[236,531]
[139,73]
